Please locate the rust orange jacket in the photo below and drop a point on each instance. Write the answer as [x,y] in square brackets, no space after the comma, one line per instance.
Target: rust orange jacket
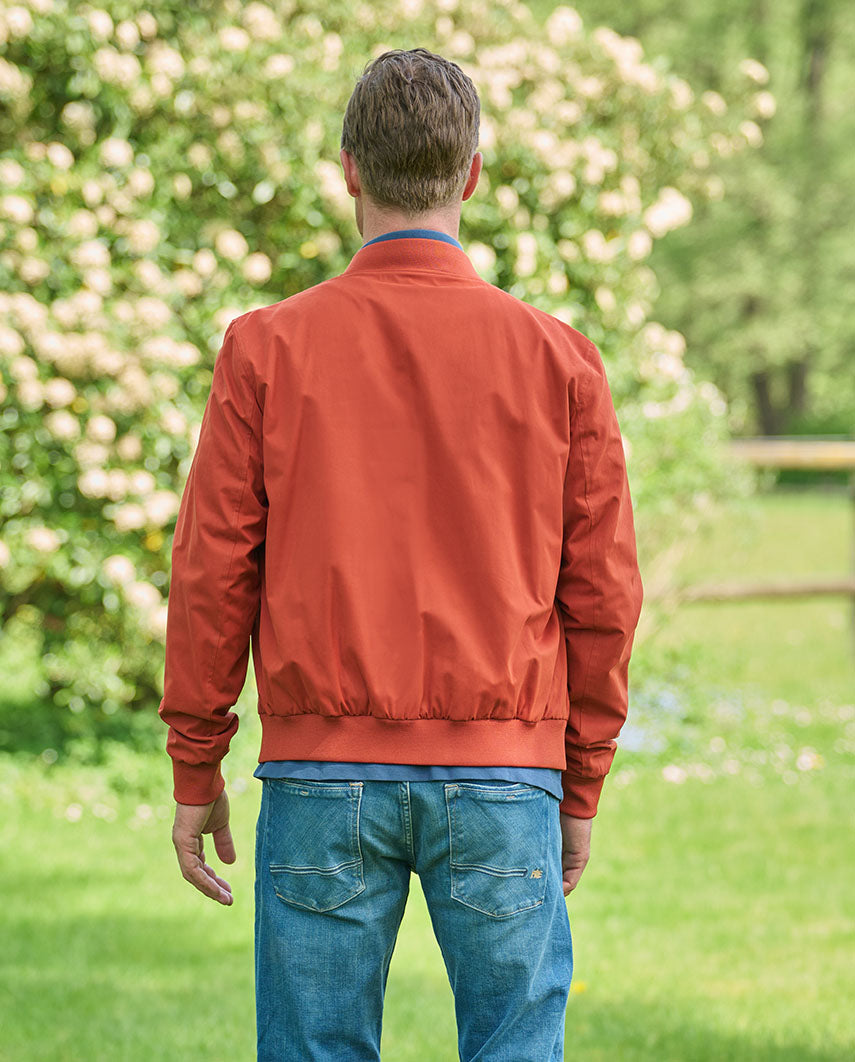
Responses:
[409,497]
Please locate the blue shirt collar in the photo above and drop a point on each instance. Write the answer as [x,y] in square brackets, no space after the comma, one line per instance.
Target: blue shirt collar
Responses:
[428,234]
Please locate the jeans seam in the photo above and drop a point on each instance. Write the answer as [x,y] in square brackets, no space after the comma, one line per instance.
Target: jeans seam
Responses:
[407,818]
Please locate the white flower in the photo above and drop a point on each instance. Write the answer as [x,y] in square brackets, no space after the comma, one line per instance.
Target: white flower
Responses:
[671,210]
[92,254]
[188,283]
[173,421]
[231,244]
[714,101]
[597,248]
[18,21]
[639,244]
[278,66]
[117,483]
[23,368]
[15,83]
[675,774]
[130,517]
[140,182]
[752,132]
[261,22]
[257,268]
[156,621]
[764,104]
[164,60]
[482,256]
[569,250]
[31,394]
[127,34]
[713,397]
[668,366]
[563,25]
[143,236]
[161,506]
[17,209]
[147,24]
[129,447]
[100,24]
[143,595]
[59,392]
[44,539]
[605,298]
[234,39]
[182,185]
[59,155]
[205,262]
[91,456]
[101,429]
[507,198]
[611,202]
[11,343]
[118,569]
[141,481]
[11,173]
[755,70]
[82,224]
[62,425]
[116,152]
[681,93]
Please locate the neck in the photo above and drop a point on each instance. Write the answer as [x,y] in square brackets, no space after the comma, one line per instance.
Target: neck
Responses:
[377,225]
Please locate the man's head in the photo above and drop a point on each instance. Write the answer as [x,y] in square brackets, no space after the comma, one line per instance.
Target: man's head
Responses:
[408,142]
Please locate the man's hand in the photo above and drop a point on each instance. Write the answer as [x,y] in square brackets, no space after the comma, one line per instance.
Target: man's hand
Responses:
[191,821]
[576,848]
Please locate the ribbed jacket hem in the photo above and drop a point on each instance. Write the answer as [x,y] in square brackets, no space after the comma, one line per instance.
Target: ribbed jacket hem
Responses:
[367,739]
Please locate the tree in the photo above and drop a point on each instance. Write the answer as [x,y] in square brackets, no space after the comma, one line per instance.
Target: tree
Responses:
[166,168]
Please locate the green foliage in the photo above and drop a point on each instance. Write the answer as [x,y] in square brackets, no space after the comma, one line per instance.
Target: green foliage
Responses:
[165,168]
[759,282]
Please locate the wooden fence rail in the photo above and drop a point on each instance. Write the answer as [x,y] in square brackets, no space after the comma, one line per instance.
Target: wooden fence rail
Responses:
[789,452]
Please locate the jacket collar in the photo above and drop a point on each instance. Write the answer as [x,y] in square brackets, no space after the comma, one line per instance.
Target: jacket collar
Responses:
[409,253]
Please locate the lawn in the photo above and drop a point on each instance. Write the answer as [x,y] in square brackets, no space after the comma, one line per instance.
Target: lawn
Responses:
[716,919]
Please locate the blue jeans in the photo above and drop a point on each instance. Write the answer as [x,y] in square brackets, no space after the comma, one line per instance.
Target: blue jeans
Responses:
[332,875]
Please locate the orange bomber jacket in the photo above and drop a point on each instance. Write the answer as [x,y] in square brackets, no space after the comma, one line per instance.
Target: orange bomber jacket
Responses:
[409,497]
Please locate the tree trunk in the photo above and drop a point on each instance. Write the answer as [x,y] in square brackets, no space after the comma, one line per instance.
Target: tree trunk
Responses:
[768,415]
[797,385]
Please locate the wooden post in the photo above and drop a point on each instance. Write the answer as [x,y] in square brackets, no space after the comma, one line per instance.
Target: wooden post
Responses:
[799,451]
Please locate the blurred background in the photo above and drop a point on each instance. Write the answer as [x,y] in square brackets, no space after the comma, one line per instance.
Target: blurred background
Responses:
[673,181]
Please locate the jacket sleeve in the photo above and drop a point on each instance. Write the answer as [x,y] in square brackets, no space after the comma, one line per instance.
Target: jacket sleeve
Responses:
[599,588]
[214,589]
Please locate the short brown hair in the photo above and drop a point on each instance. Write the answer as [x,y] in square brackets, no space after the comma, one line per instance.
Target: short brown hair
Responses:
[412,126]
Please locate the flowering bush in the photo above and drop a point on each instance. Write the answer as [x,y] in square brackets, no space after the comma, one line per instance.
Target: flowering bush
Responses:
[166,169]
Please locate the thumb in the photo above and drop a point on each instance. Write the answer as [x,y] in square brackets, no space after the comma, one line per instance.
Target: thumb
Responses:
[224,844]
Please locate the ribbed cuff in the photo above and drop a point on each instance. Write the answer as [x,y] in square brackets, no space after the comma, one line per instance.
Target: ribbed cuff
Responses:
[581,796]
[198,783]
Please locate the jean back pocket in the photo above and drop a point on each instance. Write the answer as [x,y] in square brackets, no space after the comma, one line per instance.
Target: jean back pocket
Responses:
[498,845]
[314,854]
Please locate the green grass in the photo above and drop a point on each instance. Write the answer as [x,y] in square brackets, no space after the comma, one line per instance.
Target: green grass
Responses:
[716,919]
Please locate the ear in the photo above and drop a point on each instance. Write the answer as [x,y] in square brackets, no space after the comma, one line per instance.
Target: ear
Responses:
[351,173]
[474,174]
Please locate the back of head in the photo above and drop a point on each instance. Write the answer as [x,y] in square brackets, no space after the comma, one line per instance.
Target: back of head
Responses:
[412,126]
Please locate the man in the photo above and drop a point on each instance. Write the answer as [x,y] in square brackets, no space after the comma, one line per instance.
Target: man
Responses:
[409,495]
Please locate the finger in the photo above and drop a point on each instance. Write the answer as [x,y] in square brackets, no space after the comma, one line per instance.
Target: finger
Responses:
[224,844]
[203,879]
[216,877]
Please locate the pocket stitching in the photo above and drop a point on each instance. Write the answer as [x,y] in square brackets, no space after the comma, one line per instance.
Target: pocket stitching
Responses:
[353,792]
[497,871]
